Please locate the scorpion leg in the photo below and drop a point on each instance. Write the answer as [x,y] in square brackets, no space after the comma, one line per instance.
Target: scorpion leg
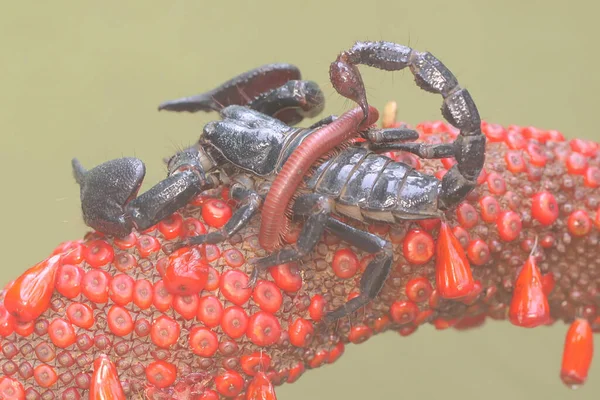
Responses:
[250,204]
[380,136]
[433,76]
[318,208]
[376,273]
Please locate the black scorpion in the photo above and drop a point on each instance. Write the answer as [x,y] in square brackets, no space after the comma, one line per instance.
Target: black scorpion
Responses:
[253,140]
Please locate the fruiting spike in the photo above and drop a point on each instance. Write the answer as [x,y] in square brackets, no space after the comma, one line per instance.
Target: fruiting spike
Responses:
[105,381]
[30,294]
[453,272]
[260,388]
[577,354]
[529,306]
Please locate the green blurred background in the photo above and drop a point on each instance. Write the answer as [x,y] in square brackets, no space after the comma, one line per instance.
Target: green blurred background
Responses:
[84,79]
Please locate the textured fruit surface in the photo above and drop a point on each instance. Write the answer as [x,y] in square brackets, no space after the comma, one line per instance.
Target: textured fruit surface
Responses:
[110,301]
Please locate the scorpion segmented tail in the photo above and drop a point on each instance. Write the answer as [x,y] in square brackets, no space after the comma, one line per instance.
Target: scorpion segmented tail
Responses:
[274,222]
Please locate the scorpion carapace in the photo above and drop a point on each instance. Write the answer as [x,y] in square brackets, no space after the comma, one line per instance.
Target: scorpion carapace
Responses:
[248,149]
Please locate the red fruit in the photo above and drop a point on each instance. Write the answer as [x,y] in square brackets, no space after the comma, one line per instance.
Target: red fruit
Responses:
[142,293]
[509,225]
[210,311]
[579,223]
[161,373]
[186,272]
[204,342]
[418,289]
[234,322]
[336,353]
[125,262]
[105,382]
[229,383]
[186,306]
[80,315]
[403,312]
[490,209]
[287,277]
[496,183]
[214,279]
[478,252]
[95,284]
[536,156]
[453,272]
[301,332]
[98,253]
[234,286]
[418,247]
[592,177]
[576,163]
[263,329]
[120,289]
[45,376]
[316,307]
[147,245]
[216,213]
[359,333]
[260,388]
[126,242]
[234,258]
[68,280]
[30,294]
[119,321]
[267,296]
[171,227]
[514,161]
[345,263]
[61,333]
[467,215]
[529,306]
[544,208]
[165,331]
[11,389]
[255,362]
[577,354]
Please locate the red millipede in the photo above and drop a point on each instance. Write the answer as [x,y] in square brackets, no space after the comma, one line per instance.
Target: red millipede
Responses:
[273,218]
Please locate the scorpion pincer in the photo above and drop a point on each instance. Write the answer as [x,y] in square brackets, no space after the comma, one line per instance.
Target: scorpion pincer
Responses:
[248,149]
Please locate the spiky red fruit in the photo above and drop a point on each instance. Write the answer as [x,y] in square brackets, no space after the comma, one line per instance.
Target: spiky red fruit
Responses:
[105,382]
[529,306]
[453,272]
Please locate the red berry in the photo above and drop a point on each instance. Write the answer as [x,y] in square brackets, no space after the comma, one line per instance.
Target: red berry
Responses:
[210,311]
[80,315]
[496,183]
[186,272]
[120,289]
[576,163]
[577,353]
[229,383]
[61,333]
[403,312]
[418,247]
[98,253]
[95,284]
[142,293]
[45,376]
[204,342]
[186,306]
[161,374]
[171,227]
[301,332]
[29,295]
[418,289]
[11,389]
[147,245]
[579,223]
[544,208]
[263,329]
[467,215]
[514,161]
[316,307]
[125,262]
[267,296]
[478,252]
[529,306]
[359,333]
[165,332]
[234,322]
[7,322]
[68,280]
[287,277]
[260,388]
[255,362]
[345,263]
[193,227]
[509,225]
[234,286]
[126,242]
[105,383]
[592,177]
[536,156]
[453,272]
[119,321]
[234,258]
[216,213]
[490,209]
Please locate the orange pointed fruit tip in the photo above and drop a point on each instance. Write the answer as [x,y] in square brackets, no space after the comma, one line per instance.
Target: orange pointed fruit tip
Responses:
[389,115]
[30,294]
[260,388]
[453,272]
[577,354]
[105,383]
[529,306]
